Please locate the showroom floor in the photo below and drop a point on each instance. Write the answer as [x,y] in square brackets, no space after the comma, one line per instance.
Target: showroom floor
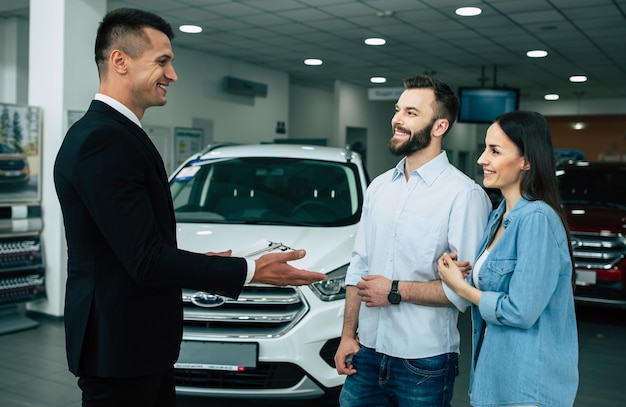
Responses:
[33,371]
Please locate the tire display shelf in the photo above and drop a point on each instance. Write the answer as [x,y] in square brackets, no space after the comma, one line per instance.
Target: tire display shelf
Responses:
[22,270]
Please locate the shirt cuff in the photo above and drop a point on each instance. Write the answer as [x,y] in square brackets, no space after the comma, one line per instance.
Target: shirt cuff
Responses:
[251,270]
[488,307]
[459,302]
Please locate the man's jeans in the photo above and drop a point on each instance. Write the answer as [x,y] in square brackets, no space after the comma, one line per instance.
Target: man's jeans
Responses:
[384,381]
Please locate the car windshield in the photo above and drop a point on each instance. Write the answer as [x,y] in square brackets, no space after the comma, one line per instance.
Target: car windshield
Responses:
[267,190]
[5,149]
[598,187]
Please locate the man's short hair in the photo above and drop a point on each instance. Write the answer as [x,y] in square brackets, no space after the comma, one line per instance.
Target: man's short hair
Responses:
[446,101]
[122,28]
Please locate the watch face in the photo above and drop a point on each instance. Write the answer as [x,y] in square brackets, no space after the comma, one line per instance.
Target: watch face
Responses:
[394,298]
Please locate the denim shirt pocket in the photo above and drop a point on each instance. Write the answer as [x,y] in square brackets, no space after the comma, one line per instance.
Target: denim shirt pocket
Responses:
[497,275]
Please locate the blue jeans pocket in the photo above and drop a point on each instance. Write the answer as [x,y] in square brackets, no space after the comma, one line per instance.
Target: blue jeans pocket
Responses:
[433,366]
[433,377]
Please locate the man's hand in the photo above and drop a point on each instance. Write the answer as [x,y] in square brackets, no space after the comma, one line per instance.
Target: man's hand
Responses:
[343,357]
[272,268]
[374,290]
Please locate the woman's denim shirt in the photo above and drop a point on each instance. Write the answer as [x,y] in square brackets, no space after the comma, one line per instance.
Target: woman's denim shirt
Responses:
[525,340]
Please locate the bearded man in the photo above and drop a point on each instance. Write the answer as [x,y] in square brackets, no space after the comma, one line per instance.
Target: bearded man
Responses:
[400,343]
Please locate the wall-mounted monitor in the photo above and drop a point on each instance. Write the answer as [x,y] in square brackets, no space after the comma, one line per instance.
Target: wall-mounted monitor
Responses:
[483,105]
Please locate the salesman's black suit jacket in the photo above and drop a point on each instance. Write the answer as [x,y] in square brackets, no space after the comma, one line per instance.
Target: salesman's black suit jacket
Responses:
[123,305]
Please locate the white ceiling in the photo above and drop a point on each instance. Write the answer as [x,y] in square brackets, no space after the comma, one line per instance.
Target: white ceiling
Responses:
[423,36]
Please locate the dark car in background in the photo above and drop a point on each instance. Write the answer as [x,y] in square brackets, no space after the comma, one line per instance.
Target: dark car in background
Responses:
[14,168]
[594,198]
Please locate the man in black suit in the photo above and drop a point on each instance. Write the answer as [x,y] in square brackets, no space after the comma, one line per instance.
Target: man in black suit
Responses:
[123,304]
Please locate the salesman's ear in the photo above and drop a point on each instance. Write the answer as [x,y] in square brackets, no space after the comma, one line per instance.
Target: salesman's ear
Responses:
[118,61]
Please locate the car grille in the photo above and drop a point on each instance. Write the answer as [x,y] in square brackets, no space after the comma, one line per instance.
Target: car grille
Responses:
[264,376]
[11,165]
[597,251]
[260,311]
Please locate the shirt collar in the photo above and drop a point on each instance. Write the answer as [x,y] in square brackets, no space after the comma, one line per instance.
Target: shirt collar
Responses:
[522,202]
[428,172]
[119,107]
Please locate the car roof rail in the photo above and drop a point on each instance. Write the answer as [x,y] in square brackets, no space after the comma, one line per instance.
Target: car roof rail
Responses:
[215,146]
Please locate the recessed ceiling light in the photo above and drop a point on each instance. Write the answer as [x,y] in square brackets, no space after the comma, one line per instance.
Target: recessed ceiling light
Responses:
[551,96]
[375,41]
[468,11]
[578,78]
[378,79]
[313,61]
[190,29]
[386,13]
[578,125]
[536,53]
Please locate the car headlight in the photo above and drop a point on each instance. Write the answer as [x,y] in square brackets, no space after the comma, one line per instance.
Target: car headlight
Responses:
[334,288]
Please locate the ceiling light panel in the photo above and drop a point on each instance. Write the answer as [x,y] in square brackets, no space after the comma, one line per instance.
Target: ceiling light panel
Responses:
[313,61]
[537,53]
[375,41]
[468,11]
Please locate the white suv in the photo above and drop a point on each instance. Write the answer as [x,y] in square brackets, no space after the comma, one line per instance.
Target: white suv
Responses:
[271,342]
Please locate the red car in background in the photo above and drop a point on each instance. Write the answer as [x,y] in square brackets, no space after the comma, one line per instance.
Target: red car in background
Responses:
[594,198]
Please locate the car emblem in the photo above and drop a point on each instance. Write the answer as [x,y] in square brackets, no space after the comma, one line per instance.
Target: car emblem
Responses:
[206,300]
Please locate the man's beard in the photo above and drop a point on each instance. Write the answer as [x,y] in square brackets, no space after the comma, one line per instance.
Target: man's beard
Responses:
[416,142]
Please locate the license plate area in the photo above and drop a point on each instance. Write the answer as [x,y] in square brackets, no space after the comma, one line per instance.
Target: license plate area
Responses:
[230,356]
[585,278]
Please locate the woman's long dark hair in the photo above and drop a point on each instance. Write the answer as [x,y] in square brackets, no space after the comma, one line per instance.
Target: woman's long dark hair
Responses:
[531,134]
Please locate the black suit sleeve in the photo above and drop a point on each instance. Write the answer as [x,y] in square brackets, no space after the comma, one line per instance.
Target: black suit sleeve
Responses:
[130,204]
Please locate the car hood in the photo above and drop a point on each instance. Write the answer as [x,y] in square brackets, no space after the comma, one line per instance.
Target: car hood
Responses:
[584,218]
[327,247]
[7,157]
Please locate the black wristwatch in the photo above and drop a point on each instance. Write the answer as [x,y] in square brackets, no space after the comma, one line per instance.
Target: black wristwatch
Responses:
[394,296]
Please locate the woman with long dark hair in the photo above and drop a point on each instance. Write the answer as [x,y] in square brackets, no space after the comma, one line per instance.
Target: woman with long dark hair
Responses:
[525,340]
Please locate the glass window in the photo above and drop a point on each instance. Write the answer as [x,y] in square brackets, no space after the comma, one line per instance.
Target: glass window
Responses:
[268,190]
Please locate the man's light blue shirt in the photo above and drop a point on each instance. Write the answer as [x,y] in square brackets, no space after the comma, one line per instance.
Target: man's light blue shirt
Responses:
[405,227]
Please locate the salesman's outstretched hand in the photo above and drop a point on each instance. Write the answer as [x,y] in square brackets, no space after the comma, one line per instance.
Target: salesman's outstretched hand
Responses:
[272,268]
